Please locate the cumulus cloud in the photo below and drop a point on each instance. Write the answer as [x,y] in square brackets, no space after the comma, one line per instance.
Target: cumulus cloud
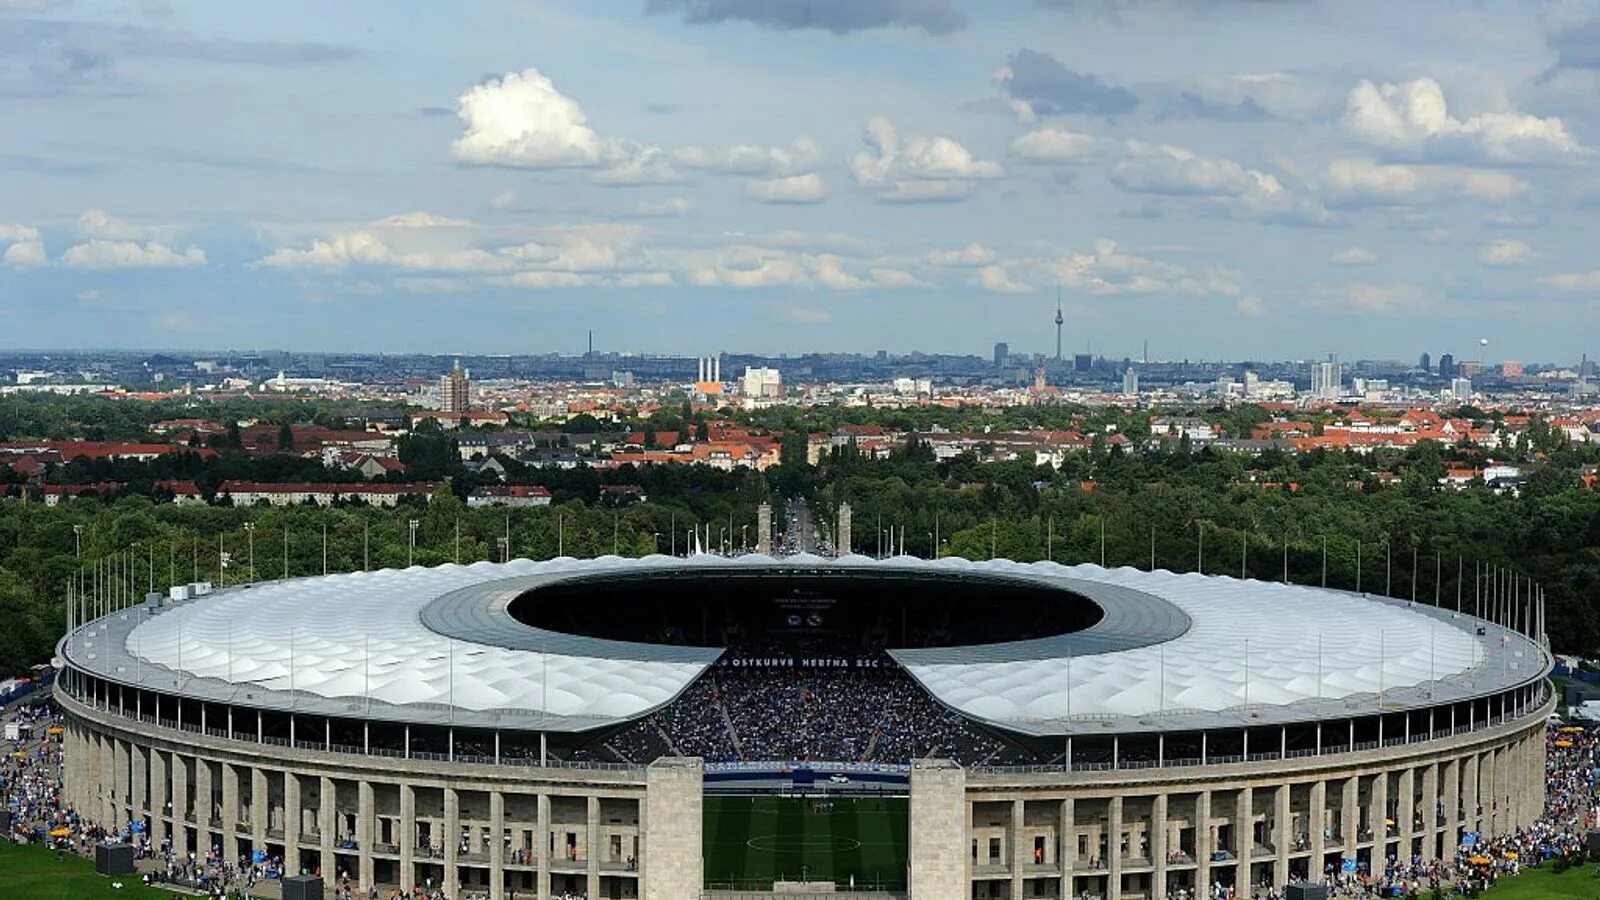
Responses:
[917,169]
[1361,182]
[107,254]
[795,189]
[1061,145]
[671,206]
[1574,281]
[1413,117]
[1178,172]
[837,16]
[1373,297]
[973,254]
[1266,95]
[752,159]
[1038,84]
[98,223]
[1354,256]
[996,280]
[522,120]
[1507,252]
[24,249]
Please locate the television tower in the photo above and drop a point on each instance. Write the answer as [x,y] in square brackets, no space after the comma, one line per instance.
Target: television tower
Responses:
[1059,320]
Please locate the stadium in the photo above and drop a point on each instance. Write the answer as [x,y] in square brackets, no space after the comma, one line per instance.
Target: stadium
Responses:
[673,728]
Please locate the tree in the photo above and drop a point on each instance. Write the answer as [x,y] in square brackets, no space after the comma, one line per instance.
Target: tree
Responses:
[286,437]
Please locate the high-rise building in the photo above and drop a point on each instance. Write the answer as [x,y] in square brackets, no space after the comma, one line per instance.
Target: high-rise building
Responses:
[1425,363]
[1447,365]
[1326,380]
[455,390]
[1461,389]
[1082,362]
[761,383]
[1130,381]
[1511,369]
[1001,351]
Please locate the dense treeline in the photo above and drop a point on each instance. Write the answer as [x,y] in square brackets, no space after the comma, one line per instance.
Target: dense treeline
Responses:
[1258,514]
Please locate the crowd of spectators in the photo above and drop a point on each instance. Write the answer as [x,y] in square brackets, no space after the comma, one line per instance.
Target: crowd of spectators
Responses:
[794,714]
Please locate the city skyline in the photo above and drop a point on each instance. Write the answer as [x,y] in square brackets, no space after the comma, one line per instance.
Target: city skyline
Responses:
[1225,181]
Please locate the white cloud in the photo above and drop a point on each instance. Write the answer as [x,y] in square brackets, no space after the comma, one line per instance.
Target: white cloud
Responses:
[522,120]
[363,248]
[1573,281]
[751,159]
[26,251]
[1354,256]
[1178,172]
[98,223]
[915,168]
[645,279]
[1061,145]
[671,206]
[1108,268]
[420,219]
[105,254]
[1359,182]
[973,254]
[1373,297]
[801,315]
[996,280]
[1507,252]
[1278,95]
[808,188]
[1413,117]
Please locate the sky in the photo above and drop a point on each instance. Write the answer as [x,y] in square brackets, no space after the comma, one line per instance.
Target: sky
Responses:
[1223,179]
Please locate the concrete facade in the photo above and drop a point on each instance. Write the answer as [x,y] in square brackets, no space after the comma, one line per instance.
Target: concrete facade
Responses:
[635,832]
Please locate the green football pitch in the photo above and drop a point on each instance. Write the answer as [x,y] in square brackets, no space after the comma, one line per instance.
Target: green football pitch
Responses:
[751,842]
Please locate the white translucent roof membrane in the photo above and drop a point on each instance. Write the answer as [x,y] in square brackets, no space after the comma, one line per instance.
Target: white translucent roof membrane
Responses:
[359,635]
[1251,644]
[1173,651]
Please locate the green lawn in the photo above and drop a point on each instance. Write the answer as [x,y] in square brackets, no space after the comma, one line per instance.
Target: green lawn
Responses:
[1577,883]
[34,873]
[752,841]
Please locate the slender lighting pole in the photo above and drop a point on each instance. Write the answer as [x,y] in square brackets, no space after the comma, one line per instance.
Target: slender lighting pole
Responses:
[411,543]
[77,541]
[250,536]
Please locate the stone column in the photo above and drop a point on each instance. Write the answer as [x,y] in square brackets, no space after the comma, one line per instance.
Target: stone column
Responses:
[1380,812]
[326,795]
[1244,836]
[543,837]
[1405,817]
[1450,797]
[204,801]
[109,781]
[1113,848]
[592,847]
[1019,860]
[1487,795]
[497,846]
[1350,821]
[1469,791]
[260,806]
[1205,842]
[452,841]
[1067,854]
[1317,829]
[158,798]
[366,832]
[119,782]
[675,796]
[292,814]
[139,786]
[1158,845]
[180,807]
[1430,810]
[230,813]
[407,839]
[1282,835]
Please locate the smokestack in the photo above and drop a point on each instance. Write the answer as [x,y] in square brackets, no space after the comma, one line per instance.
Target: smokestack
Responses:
[716,367]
